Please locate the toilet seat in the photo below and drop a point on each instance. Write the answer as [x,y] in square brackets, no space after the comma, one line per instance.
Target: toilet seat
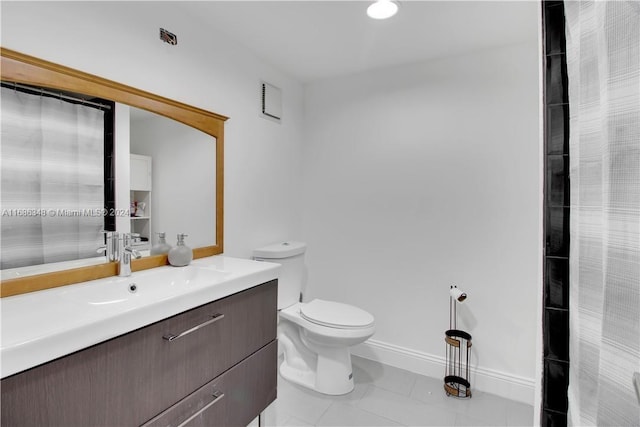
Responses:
[336,315]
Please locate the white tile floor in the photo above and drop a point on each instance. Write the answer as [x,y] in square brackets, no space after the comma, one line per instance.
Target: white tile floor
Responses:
[388,396]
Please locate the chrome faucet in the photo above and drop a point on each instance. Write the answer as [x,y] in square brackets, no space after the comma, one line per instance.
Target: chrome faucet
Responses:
[110,248]
[125,252]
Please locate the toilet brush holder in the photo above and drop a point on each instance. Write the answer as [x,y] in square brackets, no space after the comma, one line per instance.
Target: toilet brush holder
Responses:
[458,351]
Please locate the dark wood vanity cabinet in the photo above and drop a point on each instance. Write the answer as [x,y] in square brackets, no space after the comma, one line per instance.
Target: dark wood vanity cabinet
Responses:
[212,365]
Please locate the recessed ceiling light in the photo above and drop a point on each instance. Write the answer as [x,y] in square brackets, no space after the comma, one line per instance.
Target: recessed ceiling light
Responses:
[382,9]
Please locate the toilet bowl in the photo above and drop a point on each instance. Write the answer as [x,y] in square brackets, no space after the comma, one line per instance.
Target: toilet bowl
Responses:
[315,336]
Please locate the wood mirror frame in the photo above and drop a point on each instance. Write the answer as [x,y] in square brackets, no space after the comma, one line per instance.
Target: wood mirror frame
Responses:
[20,68]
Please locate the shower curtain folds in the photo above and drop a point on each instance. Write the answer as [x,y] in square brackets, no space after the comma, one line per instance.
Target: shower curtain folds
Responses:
[52,173]
[603,64]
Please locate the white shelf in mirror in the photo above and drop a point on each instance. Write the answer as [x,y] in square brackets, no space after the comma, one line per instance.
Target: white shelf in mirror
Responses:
[140,189]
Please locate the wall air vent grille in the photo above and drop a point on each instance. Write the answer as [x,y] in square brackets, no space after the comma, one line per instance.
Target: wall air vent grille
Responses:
[271,101]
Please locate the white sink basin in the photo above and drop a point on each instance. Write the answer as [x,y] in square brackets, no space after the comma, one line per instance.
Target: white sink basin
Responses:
[144,287]
[40,326]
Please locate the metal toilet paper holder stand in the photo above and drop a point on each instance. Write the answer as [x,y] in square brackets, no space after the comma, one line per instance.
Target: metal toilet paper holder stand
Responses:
[458,350]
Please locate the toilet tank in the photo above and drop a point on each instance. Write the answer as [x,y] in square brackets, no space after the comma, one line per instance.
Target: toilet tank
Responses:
[291,256]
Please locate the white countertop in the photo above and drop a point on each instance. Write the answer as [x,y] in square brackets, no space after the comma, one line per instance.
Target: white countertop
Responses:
[40,326]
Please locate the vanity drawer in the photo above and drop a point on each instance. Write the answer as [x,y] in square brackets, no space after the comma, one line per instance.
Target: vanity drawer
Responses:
[174,357]
[232,399]
[131,378]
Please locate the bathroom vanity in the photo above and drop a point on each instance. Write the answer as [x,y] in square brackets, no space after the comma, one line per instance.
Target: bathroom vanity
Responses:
[175,346]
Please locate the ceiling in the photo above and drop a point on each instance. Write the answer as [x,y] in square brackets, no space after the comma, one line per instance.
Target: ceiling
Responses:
[313,40]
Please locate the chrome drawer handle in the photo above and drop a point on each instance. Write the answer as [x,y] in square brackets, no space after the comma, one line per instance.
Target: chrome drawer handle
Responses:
[214,318]
[217,394]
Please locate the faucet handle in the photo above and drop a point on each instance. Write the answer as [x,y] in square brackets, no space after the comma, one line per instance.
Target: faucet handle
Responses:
[127,240]
[135,253]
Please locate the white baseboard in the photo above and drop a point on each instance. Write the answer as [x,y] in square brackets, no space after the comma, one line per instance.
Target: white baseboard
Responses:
[502,384]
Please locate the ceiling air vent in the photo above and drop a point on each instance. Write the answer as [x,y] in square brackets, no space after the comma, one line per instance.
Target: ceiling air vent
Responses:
[168,37]
[271,101]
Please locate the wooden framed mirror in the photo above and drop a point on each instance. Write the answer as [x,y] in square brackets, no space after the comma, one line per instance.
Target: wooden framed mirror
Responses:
[24,69]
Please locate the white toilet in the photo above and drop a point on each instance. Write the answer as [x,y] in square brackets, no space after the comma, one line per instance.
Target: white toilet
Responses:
[315,336]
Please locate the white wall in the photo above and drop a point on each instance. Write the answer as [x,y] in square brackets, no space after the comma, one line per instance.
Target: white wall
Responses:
[119,41]
[423,176]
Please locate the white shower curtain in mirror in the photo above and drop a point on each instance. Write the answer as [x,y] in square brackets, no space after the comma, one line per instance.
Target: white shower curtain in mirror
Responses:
[52,179]
[603,61]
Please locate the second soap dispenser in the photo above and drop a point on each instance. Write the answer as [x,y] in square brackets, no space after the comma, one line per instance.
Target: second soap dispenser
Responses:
[161,247]
[182,254]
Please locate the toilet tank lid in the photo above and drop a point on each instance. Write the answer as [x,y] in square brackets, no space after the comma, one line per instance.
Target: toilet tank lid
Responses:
[280,250]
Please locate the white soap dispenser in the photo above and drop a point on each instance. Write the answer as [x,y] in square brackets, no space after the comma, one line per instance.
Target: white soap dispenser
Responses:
[161,247]
[182,254]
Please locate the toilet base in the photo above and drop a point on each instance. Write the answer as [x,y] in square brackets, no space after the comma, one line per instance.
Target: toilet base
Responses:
[317,357]
[333,374]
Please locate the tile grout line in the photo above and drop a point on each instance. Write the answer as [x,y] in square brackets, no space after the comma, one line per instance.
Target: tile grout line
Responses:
[323,413]
[370,386]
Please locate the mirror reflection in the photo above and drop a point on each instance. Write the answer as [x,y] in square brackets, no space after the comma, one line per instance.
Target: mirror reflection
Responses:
[60,189]
[53,176]
[172,181]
